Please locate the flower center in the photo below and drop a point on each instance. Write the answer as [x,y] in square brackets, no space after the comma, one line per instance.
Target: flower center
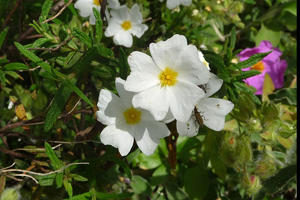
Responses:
[126,25]
[168,77]
[258,66]
[132,116]
[97,2]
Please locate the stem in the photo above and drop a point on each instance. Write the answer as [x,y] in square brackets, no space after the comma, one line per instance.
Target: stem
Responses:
[171,145]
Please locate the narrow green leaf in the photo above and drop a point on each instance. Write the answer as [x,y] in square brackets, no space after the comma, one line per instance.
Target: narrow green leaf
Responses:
[34,58]
[124,67]
[3,36]
[59,180]
[46,180]
[77,177]
[60,99]
[15,66]
[68,187]
[252,60]
[99,25]
[75,89]
[246,74]
[83,37]
[55,162]
[45,10]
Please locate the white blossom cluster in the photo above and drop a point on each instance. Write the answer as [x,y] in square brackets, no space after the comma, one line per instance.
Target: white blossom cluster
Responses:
[174,82]
[171,84]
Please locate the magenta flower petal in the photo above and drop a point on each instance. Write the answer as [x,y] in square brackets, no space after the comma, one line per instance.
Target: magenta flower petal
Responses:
[271,64]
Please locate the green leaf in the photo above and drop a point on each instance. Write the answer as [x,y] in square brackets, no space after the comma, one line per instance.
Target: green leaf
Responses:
[77,177]
[140,185]
[60,99]
[59,179]
[83,37]
[252,60]
[75,89]
[124,67]
[46,180]
[246,74]
[68,187]
[174,192]
[268,87]
[231,44]
[31,56]
[267,34]
[45,10]
[55,162]
[196,182]
[15,66]
[99,26]
[3,36]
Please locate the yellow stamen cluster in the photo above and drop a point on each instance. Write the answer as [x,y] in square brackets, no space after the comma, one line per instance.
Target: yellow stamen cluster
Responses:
[132,116]
[97,2]
[258,66]
[168,77]
[126,25]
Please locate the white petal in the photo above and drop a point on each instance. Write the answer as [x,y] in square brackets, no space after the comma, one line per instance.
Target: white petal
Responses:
[154,100]
[121,13]
[144,73]
[202,59]
[213,85]
[138,82]
[172,3]
[138,29]
[189,128]
[125,95]
[135,15]
[166,53]
[185,96]
[214,111]
[141,62]
[123,38]
[190,68]
[117,138]
[109,106]
[85,7]
[149,138]
[186,2]
[113,3]
[113,28]
[92,19]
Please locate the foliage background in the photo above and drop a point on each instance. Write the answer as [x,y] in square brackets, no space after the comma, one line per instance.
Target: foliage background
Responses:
[53,73]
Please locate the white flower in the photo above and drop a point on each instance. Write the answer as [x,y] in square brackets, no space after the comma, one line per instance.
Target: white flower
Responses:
[168,80]
[212,111]
[124,23]
[202,59]
[86,7]
[174,3]
[126,123]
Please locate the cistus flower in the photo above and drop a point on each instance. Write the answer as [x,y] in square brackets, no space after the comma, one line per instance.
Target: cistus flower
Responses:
[171,4]
[167,80]
[124,23]
[271,64]
[126,123]
[208,111]
[85,7]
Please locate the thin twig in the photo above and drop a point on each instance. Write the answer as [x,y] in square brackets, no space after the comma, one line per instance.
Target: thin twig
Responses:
[44,174]
[26,175]
[219,34]
[58,13]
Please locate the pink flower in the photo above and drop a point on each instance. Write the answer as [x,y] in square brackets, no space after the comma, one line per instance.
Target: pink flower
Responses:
[271,64]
